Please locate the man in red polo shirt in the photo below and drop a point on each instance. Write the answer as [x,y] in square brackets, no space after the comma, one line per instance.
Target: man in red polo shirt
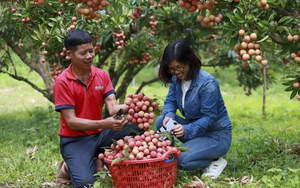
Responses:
[79,94]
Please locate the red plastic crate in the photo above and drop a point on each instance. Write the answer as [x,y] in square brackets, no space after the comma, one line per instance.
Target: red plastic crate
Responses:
[147,173]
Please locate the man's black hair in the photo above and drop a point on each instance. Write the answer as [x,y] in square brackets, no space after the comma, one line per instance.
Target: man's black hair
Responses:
[77,37]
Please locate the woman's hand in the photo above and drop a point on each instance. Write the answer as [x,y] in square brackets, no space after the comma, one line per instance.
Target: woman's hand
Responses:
[178,130]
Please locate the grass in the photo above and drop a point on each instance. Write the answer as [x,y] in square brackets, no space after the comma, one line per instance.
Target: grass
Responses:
[265,149]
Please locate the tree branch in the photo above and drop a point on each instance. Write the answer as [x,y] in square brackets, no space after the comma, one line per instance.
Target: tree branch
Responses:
[39,67]
[20,78]
[276,39]
[144,83]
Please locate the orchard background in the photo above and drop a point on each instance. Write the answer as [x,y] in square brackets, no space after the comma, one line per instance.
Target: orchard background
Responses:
[244,43]
[251,35]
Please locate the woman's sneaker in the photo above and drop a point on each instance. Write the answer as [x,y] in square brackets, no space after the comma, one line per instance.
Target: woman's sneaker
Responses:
[214,170]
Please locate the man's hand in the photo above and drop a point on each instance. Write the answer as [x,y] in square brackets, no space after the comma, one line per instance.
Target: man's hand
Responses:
[119,114]
[116,124]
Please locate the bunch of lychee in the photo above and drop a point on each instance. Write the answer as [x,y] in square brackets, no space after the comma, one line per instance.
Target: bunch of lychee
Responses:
[296,56]
[120,37]
[139,147]
[209,20]
[293,38]
[263,4]
[57,69]
[153,23]
[135,13]
[141,110]
[146,57]
[90,8]
[37,2]
[249,48]
[193,5]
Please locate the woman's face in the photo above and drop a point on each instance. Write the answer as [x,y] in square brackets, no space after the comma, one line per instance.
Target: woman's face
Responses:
[180,70]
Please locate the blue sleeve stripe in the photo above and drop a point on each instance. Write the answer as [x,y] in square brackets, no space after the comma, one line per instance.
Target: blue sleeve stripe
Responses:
[58,108]
[109,93]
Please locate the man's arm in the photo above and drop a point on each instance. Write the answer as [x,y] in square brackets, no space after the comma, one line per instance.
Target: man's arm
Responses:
[112,105]
[82,124]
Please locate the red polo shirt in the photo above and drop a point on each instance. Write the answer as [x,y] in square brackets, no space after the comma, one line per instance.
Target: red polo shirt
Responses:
[86,100]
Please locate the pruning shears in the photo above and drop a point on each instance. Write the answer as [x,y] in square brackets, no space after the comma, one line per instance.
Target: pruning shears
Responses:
[119,114]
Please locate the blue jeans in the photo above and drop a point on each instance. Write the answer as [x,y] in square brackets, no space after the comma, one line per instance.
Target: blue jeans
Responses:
[79,153]
[203,149]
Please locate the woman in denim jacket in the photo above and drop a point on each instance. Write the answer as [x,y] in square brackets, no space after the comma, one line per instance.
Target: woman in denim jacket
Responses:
[203,127]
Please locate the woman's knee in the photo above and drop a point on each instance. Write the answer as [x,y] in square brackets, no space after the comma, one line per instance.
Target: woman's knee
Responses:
[183,164]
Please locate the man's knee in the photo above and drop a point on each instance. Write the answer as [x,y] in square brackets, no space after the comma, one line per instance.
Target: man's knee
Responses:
[84,182]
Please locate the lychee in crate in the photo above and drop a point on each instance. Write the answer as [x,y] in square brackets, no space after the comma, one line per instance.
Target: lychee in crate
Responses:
[146,173]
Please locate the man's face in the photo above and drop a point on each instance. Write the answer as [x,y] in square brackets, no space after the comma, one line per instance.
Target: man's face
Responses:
[83,56]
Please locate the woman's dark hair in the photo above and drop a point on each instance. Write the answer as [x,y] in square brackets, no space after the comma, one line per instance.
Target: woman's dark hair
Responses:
[77,37]
[181,52]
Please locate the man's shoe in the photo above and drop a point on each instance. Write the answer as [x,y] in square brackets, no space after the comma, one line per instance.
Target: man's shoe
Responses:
[214,170]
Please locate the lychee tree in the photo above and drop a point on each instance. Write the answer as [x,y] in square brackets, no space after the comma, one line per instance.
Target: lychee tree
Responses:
[251,35]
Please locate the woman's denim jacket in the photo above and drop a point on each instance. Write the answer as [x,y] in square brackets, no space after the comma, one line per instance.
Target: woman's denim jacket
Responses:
[204,107]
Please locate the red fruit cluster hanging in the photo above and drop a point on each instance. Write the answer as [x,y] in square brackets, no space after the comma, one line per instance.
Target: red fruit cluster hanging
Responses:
[207,20]
[263,4]
[249,48]
[120,39]
[140,110]
[90,8]
[146,57]
[57,69]
[139,147]
[153,23]
[136,13]
[296,56]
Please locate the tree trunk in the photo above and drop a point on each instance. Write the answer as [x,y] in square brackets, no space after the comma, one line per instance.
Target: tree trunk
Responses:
[264,113]
[41,68]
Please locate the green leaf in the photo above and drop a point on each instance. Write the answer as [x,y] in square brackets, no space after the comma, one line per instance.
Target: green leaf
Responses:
[285,19]
[289,83]
[35,38]
[38,35]
[114,142]
[277,177]
[271,17]
[290,88]
[117,160]
[126,153]
[58,38]
[265,24]
[263,39]
[274,170]
[282,2]
[293,94]
[294,170]
[50,24]
[289,78]
[282,29]
[182,149]
[238,19]
[97,184]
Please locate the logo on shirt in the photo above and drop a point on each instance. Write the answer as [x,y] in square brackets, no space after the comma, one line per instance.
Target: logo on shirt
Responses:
[99,87]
